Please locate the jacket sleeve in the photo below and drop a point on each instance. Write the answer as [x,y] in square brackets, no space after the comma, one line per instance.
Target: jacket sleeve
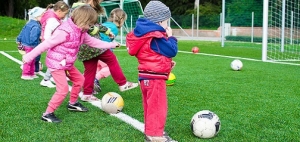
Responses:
[97,43]
[57,38]
[19,37]
[165,46]
[51,25]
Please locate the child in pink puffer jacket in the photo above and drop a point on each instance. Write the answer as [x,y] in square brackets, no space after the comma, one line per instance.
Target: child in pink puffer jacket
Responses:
[62,48]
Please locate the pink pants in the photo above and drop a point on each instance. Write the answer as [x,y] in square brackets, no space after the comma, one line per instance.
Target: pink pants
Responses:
[155,106]
[62,87]
[102,70]
[28,68]
[90,67]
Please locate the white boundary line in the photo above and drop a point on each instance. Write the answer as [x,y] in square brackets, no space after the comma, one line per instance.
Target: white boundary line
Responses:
[249,59]
[122,116]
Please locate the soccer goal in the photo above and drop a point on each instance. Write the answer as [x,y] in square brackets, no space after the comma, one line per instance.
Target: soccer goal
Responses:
[281,30]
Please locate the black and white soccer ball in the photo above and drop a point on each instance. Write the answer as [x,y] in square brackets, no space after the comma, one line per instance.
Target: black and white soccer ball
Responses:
[205,124]
[236,65]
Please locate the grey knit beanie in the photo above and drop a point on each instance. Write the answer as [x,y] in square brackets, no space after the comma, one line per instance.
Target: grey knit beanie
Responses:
[156,11]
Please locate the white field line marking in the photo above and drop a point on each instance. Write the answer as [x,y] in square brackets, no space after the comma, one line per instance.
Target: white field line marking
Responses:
[232,57]
[249,59]
[122,116]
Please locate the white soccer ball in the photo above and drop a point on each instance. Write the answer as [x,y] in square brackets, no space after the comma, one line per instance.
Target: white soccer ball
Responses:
[112,102]
[236,65]
[205,124]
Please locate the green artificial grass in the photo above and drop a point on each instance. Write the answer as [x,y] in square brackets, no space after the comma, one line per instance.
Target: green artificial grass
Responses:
[258,103]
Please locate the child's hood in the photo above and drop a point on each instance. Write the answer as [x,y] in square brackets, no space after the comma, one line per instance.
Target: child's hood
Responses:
[134,43]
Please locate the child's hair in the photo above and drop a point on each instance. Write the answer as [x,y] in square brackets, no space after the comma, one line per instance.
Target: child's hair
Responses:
[60,5]
[96,4]
[117,16]
[84,15]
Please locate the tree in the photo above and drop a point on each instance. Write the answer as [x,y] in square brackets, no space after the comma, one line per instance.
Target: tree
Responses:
[238,12]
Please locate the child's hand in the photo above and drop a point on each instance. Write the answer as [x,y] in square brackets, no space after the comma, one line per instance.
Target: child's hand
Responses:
[173,63]
[23,60]
[169,31]
[111,36]
[118,45]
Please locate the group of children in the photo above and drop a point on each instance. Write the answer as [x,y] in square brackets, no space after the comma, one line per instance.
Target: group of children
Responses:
[151,42]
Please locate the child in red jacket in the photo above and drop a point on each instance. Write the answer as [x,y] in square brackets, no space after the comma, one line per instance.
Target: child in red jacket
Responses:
[152,43]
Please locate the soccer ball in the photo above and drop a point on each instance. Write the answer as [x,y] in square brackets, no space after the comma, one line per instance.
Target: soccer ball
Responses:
[112,102]
[171,79]
[41,66]
[236,65]
[205,124]
[195,50]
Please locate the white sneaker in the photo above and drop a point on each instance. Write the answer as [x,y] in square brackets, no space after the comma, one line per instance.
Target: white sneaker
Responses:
[26,77]
[89,98]
[158,139]
[52,79]
[34,76]
[128,86]
[47,83]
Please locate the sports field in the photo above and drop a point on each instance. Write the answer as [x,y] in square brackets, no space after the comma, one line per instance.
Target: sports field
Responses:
[258,103]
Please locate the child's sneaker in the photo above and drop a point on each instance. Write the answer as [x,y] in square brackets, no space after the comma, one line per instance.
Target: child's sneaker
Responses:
[128,86]
[95,92]
[158,139]
[47,83]
[89,98]
[77,107]
[51,118]
[25,77]
[34,76]
[97,86]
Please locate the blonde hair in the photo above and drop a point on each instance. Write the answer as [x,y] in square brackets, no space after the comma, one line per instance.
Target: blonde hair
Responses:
[60,5]
[117,16]
[84,15]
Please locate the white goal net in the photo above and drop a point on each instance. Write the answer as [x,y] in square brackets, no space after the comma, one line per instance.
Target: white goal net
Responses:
[281,32]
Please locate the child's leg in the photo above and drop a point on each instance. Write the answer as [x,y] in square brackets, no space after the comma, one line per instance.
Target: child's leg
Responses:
[27,66]
[62,89]
[102,70]
[46,81]
[37,64]
[90,67]
[110,59]
[155,106]
[47,75]
[77,79]
[32,67]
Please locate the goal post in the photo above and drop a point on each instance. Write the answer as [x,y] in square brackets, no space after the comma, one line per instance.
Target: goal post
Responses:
[281,30]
